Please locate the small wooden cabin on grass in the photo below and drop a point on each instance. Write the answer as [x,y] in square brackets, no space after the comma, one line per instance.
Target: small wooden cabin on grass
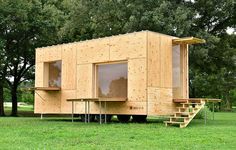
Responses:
[138,74]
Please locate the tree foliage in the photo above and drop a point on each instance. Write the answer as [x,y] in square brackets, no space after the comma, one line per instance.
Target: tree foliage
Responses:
[25,25]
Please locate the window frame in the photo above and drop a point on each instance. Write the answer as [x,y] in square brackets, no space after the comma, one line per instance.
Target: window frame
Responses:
[47,74]
[96,82]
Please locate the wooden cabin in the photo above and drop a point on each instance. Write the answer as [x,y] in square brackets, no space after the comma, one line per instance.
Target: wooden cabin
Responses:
[137,74]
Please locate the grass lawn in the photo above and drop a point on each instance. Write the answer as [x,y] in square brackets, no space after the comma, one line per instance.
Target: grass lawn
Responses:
[59,133]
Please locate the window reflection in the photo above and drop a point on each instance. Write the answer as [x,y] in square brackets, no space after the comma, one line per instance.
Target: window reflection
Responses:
[112,80]
[176,66]
[177,86]
[54,74]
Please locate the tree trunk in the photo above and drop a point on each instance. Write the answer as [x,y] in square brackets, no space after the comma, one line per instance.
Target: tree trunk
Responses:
[1,100]
[14,101]
[228,103]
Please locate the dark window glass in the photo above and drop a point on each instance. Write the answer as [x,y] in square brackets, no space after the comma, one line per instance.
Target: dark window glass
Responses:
[54,74]
[112,80]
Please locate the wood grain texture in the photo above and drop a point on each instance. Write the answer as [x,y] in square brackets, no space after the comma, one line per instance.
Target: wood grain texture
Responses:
[128,46]
[166,61]
[65,105]
[154,56]
[69,67]
[93,51]
[160,101]
[39,75]
[137,80]
[159,60]
[47,102]
[46,54]
[85,81]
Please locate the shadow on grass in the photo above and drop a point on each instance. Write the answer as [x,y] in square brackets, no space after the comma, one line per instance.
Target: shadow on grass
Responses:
[220,119]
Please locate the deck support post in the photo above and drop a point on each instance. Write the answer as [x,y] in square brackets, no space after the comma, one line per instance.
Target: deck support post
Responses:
[72,114]
[41,116]
[85,113]
[213,109]
[88,111]
[100,113]
[105,112]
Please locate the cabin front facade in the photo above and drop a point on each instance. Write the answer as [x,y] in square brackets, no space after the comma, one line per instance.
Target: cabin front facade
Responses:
[147,70]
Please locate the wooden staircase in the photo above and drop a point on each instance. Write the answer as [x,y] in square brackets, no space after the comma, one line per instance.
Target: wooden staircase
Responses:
[187,109]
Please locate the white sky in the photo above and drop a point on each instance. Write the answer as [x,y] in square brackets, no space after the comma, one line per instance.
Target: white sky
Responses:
[230,31]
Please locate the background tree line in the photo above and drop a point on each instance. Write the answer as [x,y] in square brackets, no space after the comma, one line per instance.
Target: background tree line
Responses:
[27,24]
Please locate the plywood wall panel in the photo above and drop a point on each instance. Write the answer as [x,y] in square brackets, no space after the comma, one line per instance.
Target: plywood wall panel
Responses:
[39,75]
[154,56]
[46,54]
[164,109]
[160,101]
[47,102]
[137,80]
[136,108]
[166,61]
[38,104]
[39,54]
[65,105]
[69,67]
[93,51]
[127,46]
[159,60]
[85,81]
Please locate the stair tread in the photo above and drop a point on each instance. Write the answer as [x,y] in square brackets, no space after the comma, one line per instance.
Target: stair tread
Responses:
[174,122]
[180,117]
[192,103]
[187,107]
[184,112]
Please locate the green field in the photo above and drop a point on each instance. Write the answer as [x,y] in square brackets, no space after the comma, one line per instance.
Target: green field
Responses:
[60,133]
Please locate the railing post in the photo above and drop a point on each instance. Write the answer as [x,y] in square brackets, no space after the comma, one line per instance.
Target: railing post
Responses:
[213,109]
[100,114]
[72,114]
[105,112]
[88,111]
[85,113]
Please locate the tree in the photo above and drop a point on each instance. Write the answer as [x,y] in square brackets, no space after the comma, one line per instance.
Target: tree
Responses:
[93,19]
[2,78]
[213,16]
[212,65]
[26,24]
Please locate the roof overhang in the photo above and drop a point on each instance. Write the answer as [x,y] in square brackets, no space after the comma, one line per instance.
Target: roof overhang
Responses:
[188,40]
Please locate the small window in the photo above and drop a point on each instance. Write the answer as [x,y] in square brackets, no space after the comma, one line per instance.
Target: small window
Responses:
[112,80]
[54,74]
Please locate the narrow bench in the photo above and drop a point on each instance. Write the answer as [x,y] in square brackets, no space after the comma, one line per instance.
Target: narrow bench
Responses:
[87,106]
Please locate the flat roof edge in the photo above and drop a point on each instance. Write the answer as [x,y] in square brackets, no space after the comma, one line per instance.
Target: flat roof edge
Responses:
[104,38]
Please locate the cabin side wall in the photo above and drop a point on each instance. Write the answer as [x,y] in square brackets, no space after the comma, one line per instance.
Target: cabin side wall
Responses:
[78,73]
[159,62]
[46,102]
[130,48]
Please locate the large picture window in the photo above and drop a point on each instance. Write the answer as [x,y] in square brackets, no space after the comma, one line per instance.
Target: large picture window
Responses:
[54,74]
[112,80]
